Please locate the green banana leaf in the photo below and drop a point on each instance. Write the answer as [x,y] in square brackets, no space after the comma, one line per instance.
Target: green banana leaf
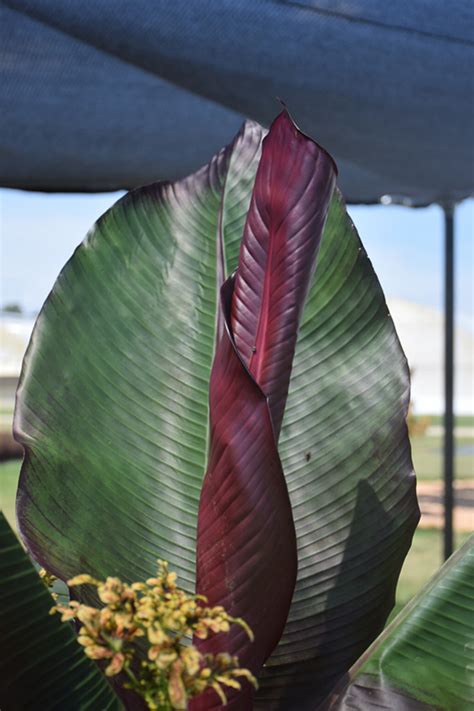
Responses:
[424,659]
[41,664]
[112,405]
[112,410]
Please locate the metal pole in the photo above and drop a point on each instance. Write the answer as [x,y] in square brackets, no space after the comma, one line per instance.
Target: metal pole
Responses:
[448,464]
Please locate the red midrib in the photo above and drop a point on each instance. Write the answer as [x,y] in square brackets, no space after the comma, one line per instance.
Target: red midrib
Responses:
[257,358]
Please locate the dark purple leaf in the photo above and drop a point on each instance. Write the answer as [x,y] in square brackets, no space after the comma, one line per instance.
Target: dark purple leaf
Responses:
[293,188]
[246,551]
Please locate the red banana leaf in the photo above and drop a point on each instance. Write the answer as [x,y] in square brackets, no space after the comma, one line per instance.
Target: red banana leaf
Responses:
[290,200]
[246,546]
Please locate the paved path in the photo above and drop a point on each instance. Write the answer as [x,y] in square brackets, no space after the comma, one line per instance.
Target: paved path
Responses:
[430,496]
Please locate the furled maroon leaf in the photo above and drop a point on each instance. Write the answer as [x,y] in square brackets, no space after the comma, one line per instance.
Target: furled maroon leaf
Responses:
[246,552]
[290,200]
[246,549]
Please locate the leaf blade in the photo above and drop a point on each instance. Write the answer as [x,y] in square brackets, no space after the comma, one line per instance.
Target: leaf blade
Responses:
[290,199]
[245,519]
[112,405]
[41,663]
[425,655]
[244,511]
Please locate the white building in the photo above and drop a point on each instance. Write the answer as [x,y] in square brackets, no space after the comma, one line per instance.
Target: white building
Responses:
[421,331]
[15,333]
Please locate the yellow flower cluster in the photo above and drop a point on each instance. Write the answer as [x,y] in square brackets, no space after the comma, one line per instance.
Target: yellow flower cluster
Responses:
[48,578]
[143,631]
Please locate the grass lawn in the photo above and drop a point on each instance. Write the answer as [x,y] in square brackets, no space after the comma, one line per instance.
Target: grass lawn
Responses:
[459,420]
[422,562]
[428,457]
[9,473]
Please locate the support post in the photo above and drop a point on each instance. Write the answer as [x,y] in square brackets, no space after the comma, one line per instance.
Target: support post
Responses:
[448,459]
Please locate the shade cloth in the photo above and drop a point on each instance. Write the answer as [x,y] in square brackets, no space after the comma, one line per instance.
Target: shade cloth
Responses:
[100,95]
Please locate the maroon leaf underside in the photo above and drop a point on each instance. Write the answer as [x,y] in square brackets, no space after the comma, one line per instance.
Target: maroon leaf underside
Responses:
[246,545]
[246,552]
[293,188]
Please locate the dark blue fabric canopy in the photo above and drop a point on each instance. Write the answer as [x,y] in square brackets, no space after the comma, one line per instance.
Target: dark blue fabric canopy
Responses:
[99,95]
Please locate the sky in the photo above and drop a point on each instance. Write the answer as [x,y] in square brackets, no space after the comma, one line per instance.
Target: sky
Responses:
[39,233]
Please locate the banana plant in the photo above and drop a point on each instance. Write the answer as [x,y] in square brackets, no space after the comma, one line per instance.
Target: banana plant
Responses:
[215,379]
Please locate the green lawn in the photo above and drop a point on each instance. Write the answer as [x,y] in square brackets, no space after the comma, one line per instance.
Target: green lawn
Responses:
[422,561]
[9,472]
[428,457]
[459,420]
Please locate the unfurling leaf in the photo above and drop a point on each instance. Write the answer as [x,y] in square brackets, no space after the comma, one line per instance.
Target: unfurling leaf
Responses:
[290,200]
[245,521]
